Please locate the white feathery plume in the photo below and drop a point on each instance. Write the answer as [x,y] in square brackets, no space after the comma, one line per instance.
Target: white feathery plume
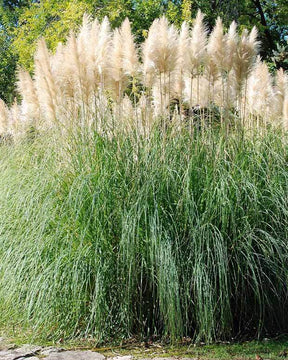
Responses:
[231,42]
[30,103]
[280,89]
[44,83]
[84,41]
[57,62]
[116,71]
[216,57]
[83,46]
[92,71]
[160,60]
[95,28]
[260,91]
[102,50]
[160,48]
[64,75]
[196,55]
[216,46]
[73,62]
[183,48]
[129,51]
[247,50]
[123,60]
[84,35]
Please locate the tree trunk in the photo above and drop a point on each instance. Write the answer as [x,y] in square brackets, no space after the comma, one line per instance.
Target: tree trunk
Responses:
[263,21]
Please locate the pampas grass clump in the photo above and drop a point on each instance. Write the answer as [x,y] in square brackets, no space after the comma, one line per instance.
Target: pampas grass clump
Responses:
[144,188]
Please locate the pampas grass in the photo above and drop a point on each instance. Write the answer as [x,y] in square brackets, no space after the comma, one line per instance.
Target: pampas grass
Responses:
[145,190]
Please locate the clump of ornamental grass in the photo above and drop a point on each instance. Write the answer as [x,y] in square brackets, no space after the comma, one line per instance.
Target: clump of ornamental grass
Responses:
[131,203]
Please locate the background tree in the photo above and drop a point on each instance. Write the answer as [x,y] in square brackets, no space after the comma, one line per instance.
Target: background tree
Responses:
[7,68]
[10,11]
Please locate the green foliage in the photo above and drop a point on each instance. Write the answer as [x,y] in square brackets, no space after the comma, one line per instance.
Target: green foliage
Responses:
[186,11]
[170,236]
[280,56]
[7,69]
[50,19]
[9,13]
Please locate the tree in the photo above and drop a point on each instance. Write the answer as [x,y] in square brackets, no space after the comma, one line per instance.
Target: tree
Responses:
[7,69]
[10,10]
[49,18]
